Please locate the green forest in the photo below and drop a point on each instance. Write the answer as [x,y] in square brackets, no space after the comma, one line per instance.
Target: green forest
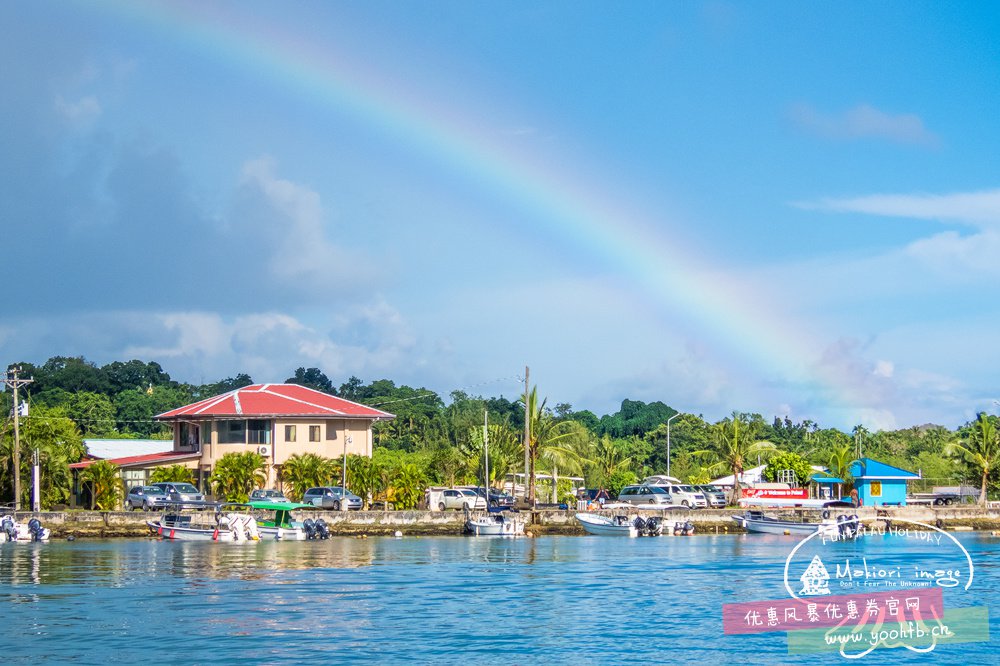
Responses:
[438,439]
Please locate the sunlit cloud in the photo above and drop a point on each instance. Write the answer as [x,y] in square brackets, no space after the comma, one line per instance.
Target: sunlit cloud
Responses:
[863,122]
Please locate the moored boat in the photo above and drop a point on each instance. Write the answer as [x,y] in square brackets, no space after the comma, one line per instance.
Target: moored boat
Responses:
[495,524]
[13,532]
[283,527]
[608,525]
[229,522]
[759,522]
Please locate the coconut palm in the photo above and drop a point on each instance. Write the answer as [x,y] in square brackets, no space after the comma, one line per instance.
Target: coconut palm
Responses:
[566,453]
[366,478]
[302,471]
[174,473]
[545,431]
[236,475]
[609,457]
[981,448]
[735,443]
[839,462]
[106,486]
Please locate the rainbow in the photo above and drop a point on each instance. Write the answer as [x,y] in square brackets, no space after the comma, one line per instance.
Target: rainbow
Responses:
[732,317]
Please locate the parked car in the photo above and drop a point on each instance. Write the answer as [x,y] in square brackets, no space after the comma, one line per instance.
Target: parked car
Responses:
[643,494]
[715,497]
[461,498]
[497,497]
[145,498]
[179,493]
[261,495]
[686,495]
[331,497]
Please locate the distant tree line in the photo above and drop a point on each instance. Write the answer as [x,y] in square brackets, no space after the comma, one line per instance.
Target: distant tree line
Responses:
[437,440]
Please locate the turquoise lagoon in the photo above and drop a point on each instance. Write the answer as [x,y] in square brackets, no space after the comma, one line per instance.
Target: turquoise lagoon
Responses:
[562,600]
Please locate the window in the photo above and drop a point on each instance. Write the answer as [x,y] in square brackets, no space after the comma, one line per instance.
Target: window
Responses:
[289,433]
[875,489]
[206,433]
[232,432]
[313,433]
[258,432]
[331,430]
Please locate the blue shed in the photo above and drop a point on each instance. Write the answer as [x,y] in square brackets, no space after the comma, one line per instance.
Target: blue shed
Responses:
[879,484]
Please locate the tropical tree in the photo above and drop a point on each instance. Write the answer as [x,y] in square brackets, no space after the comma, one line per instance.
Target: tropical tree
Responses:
[839,461]
[302,471]
[544,431]
[366,478]
[236,475]
[609,457]
[787,461]
[58,442]
[406,486]
[566,453]
[980,448]
[106,485]
[735,443]
[174,473]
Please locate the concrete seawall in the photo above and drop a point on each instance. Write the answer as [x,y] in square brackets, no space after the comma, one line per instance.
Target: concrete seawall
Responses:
[104,524]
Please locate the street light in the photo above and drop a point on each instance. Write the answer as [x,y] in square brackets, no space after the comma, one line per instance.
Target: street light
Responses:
[347,440]
[668,440]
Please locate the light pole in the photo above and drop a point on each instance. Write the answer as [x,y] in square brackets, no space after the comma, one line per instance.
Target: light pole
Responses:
[347,440]
[668,440]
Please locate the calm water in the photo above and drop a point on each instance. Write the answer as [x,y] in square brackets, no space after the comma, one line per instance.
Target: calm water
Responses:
[443,600]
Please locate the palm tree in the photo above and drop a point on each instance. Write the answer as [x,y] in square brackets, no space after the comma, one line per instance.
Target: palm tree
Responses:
[981,449]
[106,486]
[407,486]
[735,443]
[839,462]
[302,471]
[366,478]
[236,475]
[610,457]
[175,473]
[566,452]
[545,432]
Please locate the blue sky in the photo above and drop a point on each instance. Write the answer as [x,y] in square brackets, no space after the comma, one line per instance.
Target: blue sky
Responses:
[781,208]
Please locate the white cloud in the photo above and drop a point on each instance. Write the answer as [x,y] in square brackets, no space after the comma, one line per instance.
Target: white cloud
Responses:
[863,122]
[974,208]
[79,112]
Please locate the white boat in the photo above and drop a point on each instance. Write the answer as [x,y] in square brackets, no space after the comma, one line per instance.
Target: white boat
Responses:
[757,521]
[283,527]
[608,525]
[231,526]
[495,524]
[12,531]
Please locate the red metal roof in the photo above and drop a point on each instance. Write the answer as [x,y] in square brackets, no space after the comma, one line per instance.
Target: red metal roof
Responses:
[262,400]
[162,457]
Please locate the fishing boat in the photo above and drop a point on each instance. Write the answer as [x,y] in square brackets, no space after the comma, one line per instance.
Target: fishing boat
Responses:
[12,531]
[228,522]
[757,521]
[608,525]
[283,527]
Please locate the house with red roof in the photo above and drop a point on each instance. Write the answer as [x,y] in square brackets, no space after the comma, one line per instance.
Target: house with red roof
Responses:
[274,420]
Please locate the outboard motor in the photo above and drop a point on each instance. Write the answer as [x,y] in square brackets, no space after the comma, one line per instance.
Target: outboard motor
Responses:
[653,526]
[35,529]
[688,529]
[8,528]
[640,525]
[310,527]
[678,528]
[322,531]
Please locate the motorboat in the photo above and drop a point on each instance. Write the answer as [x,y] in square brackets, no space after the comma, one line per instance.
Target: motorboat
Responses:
[758,521]
[229,522]
[12,531]
[498,523]
[281,526]
[620,525]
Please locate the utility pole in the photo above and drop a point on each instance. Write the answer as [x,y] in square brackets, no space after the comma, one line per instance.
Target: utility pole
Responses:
[11,379]
[527,435]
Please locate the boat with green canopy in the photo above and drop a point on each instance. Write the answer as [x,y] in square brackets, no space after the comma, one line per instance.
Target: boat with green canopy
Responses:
[281,525]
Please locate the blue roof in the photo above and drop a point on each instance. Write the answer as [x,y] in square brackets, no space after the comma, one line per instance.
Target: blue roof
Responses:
[821,478]
[866,468]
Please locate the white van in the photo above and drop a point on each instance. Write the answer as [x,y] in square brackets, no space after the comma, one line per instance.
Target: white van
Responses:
[685,495]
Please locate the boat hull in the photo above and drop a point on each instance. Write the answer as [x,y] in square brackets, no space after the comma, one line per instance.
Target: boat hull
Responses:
[268,533]
[780,527]
[491,527]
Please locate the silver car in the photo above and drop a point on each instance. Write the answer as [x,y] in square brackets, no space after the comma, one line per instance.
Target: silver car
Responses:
[268,496]
[146,498]
[331,497]
[643,494]
[180,493]
[715,497]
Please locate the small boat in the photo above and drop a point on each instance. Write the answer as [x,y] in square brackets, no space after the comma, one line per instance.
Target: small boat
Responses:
[229,522]
[13,531]
[757,521]
[283,527]
[608,525]
[495,524]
